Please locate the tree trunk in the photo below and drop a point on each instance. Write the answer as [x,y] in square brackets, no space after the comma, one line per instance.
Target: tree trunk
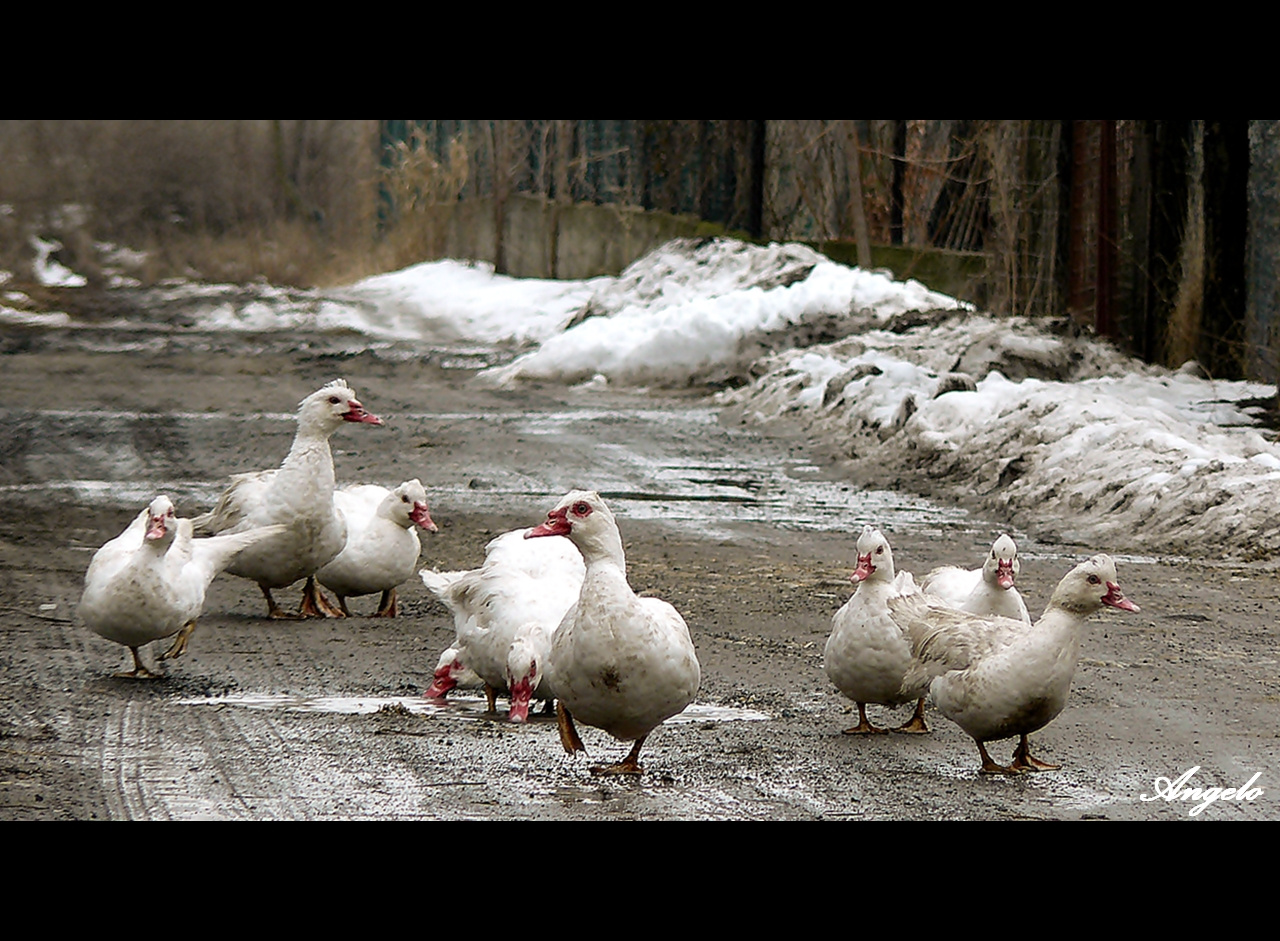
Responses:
[498,145]
[858,211]
[895,189]
[1220,345]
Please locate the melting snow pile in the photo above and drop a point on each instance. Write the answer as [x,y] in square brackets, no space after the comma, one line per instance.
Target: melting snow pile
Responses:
[1110,454]
[452,300]
[702,311]
[1059,433]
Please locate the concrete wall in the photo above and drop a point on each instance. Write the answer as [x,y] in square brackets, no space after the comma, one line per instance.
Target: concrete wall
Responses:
[543,240]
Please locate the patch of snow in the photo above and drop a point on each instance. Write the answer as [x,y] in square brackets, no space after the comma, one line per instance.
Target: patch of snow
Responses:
[48,271]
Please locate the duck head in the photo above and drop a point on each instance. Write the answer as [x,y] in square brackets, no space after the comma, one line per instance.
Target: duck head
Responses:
[408,505]
[1002,566]
[875,558]
[1090,585]
[524,673]
[161,519]
[449,670]
[585,518]
[328,407]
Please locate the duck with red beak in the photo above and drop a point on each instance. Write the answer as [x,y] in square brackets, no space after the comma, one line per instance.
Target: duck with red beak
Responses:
[299,495]
[867,655]
[618,662]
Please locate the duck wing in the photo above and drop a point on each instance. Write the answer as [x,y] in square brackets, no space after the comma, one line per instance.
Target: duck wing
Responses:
[213,554]
[237,505]
[943,638]
[951,583]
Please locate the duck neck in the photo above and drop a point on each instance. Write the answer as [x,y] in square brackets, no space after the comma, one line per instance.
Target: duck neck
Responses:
[1060,625]
[1062,602]
[387,511]
[159,547]
[604,549]
[311,451]
[877,584]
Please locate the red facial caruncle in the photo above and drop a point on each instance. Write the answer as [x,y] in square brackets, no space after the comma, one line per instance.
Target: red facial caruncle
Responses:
[423,518]
[1004,573]
[1115,597]
[156,525]
[521,696]
[557,524]
[443,680]
[355,412]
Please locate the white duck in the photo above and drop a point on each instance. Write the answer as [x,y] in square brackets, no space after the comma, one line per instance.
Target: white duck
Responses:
[504,613]
[150,581]
[618,662]
[867,654]
[382,546]
[998,677]
[988,590]
[298,494]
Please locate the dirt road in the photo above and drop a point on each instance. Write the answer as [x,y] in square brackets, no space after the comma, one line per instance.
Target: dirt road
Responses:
[324,720]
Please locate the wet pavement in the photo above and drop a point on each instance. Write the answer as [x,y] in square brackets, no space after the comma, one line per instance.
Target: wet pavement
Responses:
[749,534]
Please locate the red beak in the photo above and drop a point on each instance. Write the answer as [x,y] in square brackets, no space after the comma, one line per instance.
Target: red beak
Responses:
[423,518]
[864,569]
[1115,597]
[557,524]
[521,694]
[1004,574]
[155,529]
[357,413]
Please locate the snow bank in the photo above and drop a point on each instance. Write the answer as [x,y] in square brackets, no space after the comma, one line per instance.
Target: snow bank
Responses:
[702,310]
[1113,454]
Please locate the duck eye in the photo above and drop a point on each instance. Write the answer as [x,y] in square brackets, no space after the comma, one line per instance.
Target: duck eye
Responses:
[1094,580]
[879,550]
[334,400]
[404,499]
[581,509]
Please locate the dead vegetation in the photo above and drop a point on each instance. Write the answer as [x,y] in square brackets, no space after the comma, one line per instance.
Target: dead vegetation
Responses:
[215,200]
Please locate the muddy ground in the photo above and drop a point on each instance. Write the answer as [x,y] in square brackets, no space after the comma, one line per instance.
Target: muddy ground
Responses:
[1190,681]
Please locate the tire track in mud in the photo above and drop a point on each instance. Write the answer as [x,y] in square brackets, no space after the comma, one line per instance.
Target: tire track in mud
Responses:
[160,760]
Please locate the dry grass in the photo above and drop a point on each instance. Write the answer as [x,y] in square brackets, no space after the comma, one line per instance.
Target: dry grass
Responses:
[290,201]
[417,184]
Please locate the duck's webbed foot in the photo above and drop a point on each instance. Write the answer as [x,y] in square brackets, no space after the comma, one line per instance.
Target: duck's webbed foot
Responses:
[915,725]
[864,726]
[315,604]
[180,641]
[139,671]
[989,766]
[274,611]
[387,608]
[628,765]
[1023,761]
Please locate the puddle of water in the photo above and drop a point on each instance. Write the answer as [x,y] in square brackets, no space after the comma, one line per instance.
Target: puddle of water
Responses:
[121,336]
[126,493]
[676,466]
[96,416]
[455,707]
